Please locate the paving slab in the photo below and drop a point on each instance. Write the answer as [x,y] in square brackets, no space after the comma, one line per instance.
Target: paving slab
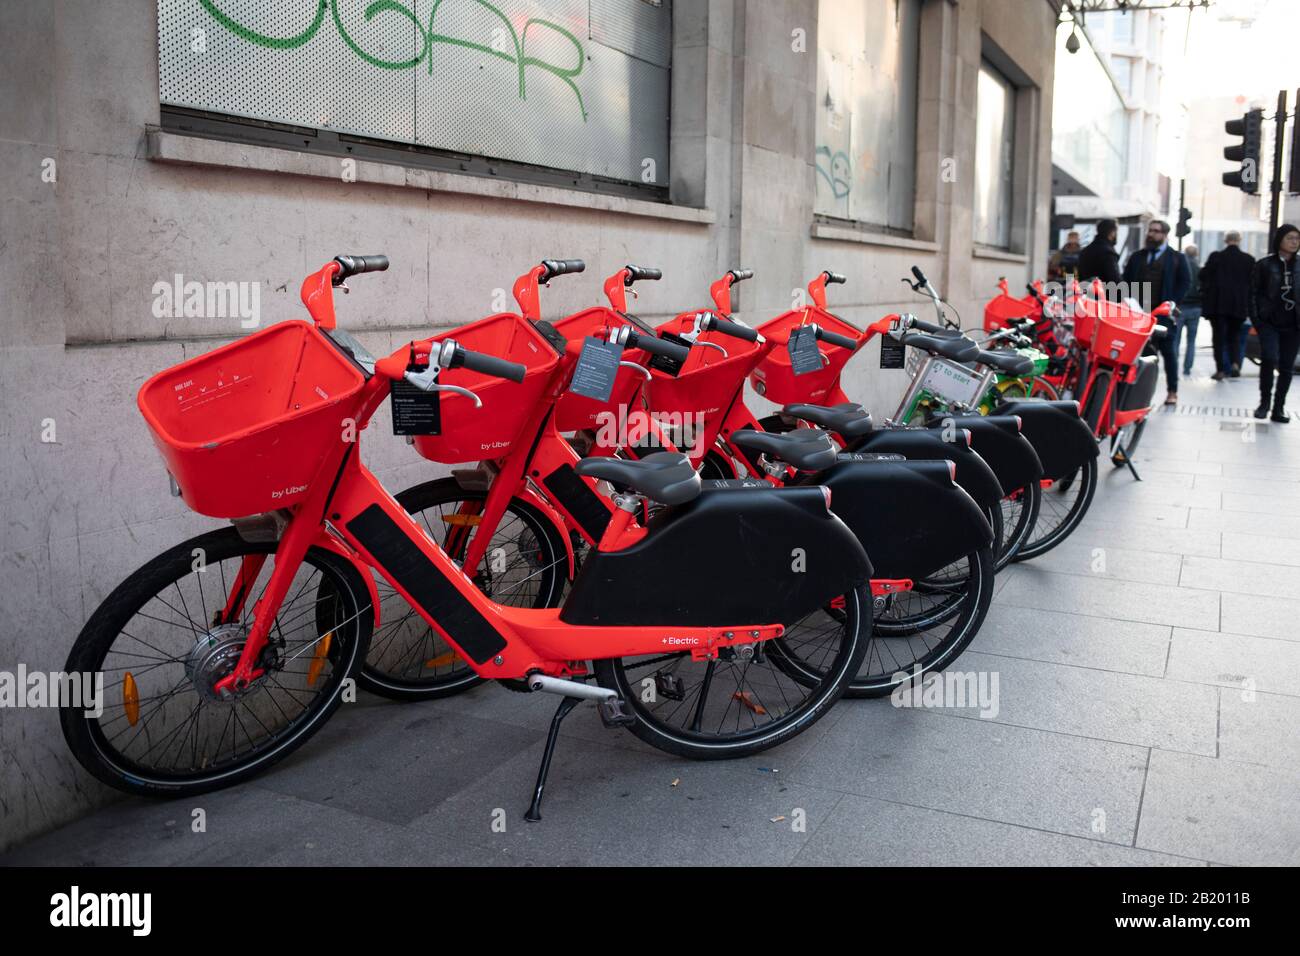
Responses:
[1221,810]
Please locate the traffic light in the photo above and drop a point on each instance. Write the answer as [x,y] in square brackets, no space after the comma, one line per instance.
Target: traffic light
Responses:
[1184,217]
[1250,128]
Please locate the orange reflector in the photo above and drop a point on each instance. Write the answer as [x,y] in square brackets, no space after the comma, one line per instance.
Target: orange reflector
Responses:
[463,521]
[318,659]
[748,701]
[131,699]
[442,659]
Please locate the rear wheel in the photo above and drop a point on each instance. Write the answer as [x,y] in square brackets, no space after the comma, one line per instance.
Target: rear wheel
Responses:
[926,628]
[160,642]
[1063,504]
[526,566]
[750,698]
[1019,514]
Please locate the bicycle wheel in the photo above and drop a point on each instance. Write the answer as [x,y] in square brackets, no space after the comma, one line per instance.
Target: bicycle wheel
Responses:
[926,628]
[749,699]
[526,566]
[1064,503]
[1044,389]
[1125,442]
[1019,514]
[160,644]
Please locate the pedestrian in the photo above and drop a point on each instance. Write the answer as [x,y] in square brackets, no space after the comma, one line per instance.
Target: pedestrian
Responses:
[1098,259]
[1158,274]
[1065,261]
[1273,311]
[1225,301]
[1190,309]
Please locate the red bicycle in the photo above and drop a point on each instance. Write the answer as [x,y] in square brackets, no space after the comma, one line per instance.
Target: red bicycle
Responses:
[225,653]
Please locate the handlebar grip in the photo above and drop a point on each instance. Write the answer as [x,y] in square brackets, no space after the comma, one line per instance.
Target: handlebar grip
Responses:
[488,364]
[727,327]
[638,273]
[1033,291]
[355,265]
[561,267]
[657,346]
[834,338]
[740,275]
[920,276]
[834,278]
[933,329]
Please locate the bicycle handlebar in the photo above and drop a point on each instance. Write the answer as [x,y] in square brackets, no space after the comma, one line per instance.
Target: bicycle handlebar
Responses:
[920,276]
[657,346]
[834,338]
[639,273]
[560,267]
[355,265]
[487,364]
[740,275]
[834,278]
[714,324]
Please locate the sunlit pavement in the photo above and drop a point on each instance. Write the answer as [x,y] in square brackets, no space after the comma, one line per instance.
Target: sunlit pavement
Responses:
[1147,712]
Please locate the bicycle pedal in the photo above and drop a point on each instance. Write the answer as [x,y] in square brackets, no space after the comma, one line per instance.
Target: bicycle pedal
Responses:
[670,686]
[612,713]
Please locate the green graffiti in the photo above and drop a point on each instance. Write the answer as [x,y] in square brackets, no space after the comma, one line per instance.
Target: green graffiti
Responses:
[428,37]
[837,171]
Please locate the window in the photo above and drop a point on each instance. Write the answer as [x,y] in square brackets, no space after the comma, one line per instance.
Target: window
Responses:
[573,85]
[867,55]
[1121,27]
[995,116]
[1121,67]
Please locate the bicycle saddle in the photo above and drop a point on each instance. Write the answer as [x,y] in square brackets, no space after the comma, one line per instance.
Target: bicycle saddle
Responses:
[957,348]
[1008,362]
[847,418]
[808,449]
[665,476]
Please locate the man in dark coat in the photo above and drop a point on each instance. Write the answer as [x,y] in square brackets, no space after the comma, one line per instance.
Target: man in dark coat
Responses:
[1098,259]
[1225,300]
[1155,274]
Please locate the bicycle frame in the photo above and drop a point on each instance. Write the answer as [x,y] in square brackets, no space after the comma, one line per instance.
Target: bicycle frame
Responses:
[346,509]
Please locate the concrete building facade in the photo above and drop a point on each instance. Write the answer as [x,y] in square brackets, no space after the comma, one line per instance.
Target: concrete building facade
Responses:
[108,201]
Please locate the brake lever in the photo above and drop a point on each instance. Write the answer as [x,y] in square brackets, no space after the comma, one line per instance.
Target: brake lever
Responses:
[640,368]
[427,381]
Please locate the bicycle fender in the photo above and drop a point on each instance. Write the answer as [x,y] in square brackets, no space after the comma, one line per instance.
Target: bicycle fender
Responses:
[973,472]
[553,516]
[1062,439]
[910,516]
[328,542]
[998,440]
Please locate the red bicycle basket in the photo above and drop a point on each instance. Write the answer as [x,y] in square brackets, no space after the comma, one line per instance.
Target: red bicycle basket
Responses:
[707,381]
[577,412]
[773,377]
[478,434]
[242,428]
[1119,333]
[1003,308]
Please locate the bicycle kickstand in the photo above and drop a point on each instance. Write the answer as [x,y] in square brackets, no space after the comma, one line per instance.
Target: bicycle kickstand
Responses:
[1128,461]
[535,808]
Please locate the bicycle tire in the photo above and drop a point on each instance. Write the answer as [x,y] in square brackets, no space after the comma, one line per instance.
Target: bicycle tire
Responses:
[122,771]
[831,681]
[426,666]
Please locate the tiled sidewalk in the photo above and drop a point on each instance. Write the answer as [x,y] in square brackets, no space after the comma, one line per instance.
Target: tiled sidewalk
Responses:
[1149,714]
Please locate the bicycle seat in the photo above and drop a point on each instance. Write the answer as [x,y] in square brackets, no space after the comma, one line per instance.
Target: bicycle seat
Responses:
[807,449]
[847,418]
[665,476]
[957,348]
[1008,362]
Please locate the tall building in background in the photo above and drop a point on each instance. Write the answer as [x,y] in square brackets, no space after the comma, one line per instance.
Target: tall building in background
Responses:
[1119,121]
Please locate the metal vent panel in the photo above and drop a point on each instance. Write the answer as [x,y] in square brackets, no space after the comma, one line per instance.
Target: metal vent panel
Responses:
[440,73]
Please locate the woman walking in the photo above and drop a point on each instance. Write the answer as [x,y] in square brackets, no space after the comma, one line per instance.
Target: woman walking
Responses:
[1273,311]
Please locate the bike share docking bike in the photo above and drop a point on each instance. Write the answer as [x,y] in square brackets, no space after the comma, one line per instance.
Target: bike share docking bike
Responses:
[225,653]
